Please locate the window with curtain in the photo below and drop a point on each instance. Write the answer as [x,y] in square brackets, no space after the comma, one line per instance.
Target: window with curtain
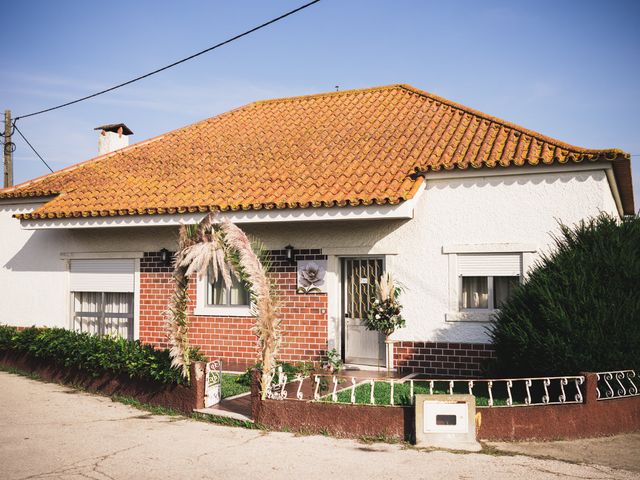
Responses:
[487,280]
[234,295]
[102,296]
[487,293]
[103,313]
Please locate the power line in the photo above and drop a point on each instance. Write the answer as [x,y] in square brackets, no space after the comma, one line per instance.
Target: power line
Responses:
[232,39]
[34,150]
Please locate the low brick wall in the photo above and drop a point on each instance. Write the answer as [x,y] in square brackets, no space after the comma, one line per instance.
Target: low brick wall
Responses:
[332,418]
[592,418]
[183,398]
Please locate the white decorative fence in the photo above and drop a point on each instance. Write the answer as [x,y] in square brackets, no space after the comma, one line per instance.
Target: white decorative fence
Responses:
[496,392]
[503,392]
[616,384]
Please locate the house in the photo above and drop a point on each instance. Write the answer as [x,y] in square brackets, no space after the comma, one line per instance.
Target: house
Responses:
[339,187]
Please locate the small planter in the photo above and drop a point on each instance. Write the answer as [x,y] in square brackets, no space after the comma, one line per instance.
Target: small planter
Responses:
[389,350]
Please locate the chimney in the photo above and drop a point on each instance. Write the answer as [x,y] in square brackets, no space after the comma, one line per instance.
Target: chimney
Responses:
[112,137]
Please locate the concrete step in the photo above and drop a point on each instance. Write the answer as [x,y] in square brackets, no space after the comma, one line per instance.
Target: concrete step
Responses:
[220,412]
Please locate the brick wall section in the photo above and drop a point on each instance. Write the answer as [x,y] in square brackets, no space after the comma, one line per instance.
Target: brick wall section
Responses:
[304,325]
[156,287]
[442,358]
[304,317]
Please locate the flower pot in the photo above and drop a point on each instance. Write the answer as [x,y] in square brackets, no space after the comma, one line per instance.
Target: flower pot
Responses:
[389,353]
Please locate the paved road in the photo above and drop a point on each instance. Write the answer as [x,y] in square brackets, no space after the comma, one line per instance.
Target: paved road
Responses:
[622,451]
[48,431]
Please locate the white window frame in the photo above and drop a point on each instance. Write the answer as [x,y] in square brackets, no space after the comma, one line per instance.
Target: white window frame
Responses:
[483,315]
[203,309]
[136,256]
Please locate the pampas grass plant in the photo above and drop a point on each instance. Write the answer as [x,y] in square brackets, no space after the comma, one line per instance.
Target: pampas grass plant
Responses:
[223,249]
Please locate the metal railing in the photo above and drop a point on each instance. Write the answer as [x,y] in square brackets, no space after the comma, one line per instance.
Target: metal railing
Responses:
[616,384]
[503,392]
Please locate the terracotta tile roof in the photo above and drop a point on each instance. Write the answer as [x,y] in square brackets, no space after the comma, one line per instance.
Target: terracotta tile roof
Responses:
[357,147]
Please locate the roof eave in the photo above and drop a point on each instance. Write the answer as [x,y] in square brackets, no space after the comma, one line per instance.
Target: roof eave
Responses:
[624,182]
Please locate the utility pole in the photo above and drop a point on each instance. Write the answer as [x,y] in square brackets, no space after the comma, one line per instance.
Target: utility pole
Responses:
[8,150]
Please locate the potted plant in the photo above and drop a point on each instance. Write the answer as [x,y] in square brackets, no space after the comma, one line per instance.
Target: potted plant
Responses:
[385,313]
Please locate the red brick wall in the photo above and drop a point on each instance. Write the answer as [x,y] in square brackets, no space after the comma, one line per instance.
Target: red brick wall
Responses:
[442,358]
[304,325]
[156,287]
[304,317]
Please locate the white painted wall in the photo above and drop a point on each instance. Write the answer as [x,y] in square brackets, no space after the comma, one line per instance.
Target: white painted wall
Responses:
[490,209]
[33,276]
[521,209]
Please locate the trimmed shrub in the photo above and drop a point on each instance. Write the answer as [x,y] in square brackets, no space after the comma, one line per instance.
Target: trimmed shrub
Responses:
[93,354]
[580,308]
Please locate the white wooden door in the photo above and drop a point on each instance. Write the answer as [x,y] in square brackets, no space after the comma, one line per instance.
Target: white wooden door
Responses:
[362,346]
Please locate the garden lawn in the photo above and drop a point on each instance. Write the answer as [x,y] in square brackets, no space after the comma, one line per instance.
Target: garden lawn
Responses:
[401,391]
[231,387]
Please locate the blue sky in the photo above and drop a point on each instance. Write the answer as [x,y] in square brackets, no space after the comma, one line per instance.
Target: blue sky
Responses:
[567,69]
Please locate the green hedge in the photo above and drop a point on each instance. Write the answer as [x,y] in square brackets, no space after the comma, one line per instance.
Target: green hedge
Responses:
[580,308]
[93,354]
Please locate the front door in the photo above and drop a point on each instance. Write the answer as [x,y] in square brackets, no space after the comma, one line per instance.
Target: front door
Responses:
[361,346]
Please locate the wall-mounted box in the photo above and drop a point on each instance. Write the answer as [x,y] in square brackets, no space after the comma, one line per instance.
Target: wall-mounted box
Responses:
[446,421]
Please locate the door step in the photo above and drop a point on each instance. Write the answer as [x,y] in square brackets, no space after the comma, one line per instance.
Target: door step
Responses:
[219,412]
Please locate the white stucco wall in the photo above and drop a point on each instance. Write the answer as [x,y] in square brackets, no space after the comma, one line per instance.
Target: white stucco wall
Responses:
[515,209]
[33,276]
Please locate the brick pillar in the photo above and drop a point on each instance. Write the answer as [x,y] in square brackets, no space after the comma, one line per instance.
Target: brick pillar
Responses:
[197,377]
[589,389]
[256,397]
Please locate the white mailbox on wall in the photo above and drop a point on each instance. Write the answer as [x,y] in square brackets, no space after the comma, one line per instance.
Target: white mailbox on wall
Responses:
[446,421]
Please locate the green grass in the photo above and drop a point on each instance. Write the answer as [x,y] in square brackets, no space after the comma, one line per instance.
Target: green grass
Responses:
[153,409]
[231,386]
[401,391]
[22,373]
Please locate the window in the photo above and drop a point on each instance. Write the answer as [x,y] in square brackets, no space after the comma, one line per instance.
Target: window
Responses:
[102,296]
[103,313]
[215,299]
[477,293]
[479,282]
[218,294]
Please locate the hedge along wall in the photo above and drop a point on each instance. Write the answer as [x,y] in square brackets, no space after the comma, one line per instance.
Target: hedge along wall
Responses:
[183,398]
[592,418]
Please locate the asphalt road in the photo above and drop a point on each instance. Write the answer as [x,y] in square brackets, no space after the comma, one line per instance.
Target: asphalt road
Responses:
[49,431]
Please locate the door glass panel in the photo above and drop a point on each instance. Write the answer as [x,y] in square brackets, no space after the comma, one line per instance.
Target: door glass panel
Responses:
[360,277]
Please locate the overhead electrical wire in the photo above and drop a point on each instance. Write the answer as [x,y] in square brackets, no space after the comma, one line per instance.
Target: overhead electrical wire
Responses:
[166,67]
[133,80]
[31,146]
